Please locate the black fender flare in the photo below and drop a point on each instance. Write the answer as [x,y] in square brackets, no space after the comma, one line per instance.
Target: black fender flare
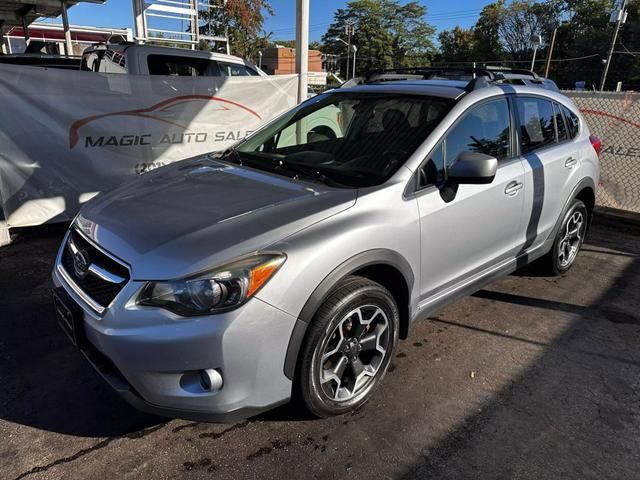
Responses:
[586,182]
[361,260]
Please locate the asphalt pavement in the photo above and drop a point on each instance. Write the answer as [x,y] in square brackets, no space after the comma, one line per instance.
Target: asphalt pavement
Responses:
[533,377]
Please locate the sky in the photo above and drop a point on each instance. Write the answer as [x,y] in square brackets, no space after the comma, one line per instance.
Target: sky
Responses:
[443,14]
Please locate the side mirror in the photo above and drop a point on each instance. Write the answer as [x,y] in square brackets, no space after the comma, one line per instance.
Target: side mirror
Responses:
[473,168]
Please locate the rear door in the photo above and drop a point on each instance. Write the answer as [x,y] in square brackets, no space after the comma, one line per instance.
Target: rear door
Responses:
[551,161]
[467,231]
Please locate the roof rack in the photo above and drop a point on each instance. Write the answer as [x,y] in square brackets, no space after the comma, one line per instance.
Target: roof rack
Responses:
[478,77]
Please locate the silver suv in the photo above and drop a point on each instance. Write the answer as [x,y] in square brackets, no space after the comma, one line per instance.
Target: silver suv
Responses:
[224,285]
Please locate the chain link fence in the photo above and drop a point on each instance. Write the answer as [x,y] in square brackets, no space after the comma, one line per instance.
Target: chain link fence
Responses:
[615,119]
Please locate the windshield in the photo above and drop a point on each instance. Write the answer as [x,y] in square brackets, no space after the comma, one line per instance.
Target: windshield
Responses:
[348,139]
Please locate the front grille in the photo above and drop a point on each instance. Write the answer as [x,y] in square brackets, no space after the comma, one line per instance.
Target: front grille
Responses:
[98,289]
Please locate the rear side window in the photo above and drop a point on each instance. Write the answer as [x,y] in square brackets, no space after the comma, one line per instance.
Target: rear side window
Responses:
[561,128]
[236,70]
[180,66]
[573,123]
[536,123]
[485,129]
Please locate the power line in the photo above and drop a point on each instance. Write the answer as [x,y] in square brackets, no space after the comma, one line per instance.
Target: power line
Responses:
[439,16]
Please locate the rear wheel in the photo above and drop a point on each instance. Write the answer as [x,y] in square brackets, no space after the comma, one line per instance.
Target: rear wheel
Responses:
[348,347]
[568,239]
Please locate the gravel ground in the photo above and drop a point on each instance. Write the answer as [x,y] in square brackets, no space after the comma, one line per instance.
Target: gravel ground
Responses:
[531,378]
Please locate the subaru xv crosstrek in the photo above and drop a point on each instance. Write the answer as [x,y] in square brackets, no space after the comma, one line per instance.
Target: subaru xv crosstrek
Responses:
[224,285]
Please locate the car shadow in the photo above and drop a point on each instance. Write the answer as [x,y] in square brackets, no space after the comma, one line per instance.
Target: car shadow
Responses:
[46,383]
[578,395]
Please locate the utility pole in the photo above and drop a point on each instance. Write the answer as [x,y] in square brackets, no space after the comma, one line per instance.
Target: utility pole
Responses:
[348,30]
[537,42]
[353,70]
[302,47]
[553,42]
[68,47]
[619,16]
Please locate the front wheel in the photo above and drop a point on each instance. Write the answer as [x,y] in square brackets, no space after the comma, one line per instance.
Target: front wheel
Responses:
[568,239]
[348,347]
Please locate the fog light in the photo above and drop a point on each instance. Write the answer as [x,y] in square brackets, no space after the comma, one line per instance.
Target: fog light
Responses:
[210,379]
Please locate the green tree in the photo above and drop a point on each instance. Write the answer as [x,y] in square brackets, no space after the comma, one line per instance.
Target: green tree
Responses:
[503,34]
[243,21]
[386,33]
[521,20]
[486,35]
[586,32]
[456,46]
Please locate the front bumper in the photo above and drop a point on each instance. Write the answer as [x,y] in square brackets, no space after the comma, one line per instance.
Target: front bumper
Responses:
[152,357]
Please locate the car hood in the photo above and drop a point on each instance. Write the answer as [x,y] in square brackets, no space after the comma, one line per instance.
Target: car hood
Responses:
[196,214]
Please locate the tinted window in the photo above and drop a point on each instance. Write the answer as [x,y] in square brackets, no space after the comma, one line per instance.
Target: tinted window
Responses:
[485,129]
[236,70]
[536,123]
[573,123]
[180,66]
[560,124]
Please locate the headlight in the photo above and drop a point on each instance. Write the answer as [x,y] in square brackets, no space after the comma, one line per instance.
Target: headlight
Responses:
[221,290]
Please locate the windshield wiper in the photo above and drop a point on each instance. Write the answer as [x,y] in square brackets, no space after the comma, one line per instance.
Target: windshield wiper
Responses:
[279,165]
[304,171]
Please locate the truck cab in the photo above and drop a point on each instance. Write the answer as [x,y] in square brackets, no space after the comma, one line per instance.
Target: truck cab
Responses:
[136,59]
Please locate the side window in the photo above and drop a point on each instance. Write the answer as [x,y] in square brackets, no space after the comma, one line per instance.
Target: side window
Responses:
[573,123]
[485,129]
[561,128]
[536,123]
[177,66]
[236,70]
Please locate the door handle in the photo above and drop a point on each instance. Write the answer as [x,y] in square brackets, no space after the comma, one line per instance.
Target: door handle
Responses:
[570,162]
[513,188]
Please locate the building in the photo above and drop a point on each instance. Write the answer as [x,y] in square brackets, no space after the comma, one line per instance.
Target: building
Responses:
[282,61]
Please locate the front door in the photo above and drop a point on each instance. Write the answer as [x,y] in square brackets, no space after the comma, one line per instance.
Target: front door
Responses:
[467,232]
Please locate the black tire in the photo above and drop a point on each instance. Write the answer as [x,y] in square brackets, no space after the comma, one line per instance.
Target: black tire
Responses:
[559,260]
[331,329]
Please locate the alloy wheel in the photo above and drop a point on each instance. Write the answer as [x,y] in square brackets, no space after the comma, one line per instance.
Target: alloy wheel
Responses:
[356,349]
[572,238]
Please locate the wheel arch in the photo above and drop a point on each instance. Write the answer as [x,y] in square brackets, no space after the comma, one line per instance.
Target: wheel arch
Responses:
[387,267]
[588,196]
[584,190]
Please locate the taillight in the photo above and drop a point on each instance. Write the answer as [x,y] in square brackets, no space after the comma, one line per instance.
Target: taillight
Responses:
[596,144]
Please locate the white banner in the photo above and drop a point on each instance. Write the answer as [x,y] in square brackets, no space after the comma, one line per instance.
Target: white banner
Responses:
[67,135]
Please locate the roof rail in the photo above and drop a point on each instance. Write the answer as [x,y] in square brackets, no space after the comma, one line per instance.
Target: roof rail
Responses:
[427,72]
[471,74]
[477,77]
[513,71]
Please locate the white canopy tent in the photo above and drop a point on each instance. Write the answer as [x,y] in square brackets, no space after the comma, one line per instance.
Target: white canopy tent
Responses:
[22,13]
